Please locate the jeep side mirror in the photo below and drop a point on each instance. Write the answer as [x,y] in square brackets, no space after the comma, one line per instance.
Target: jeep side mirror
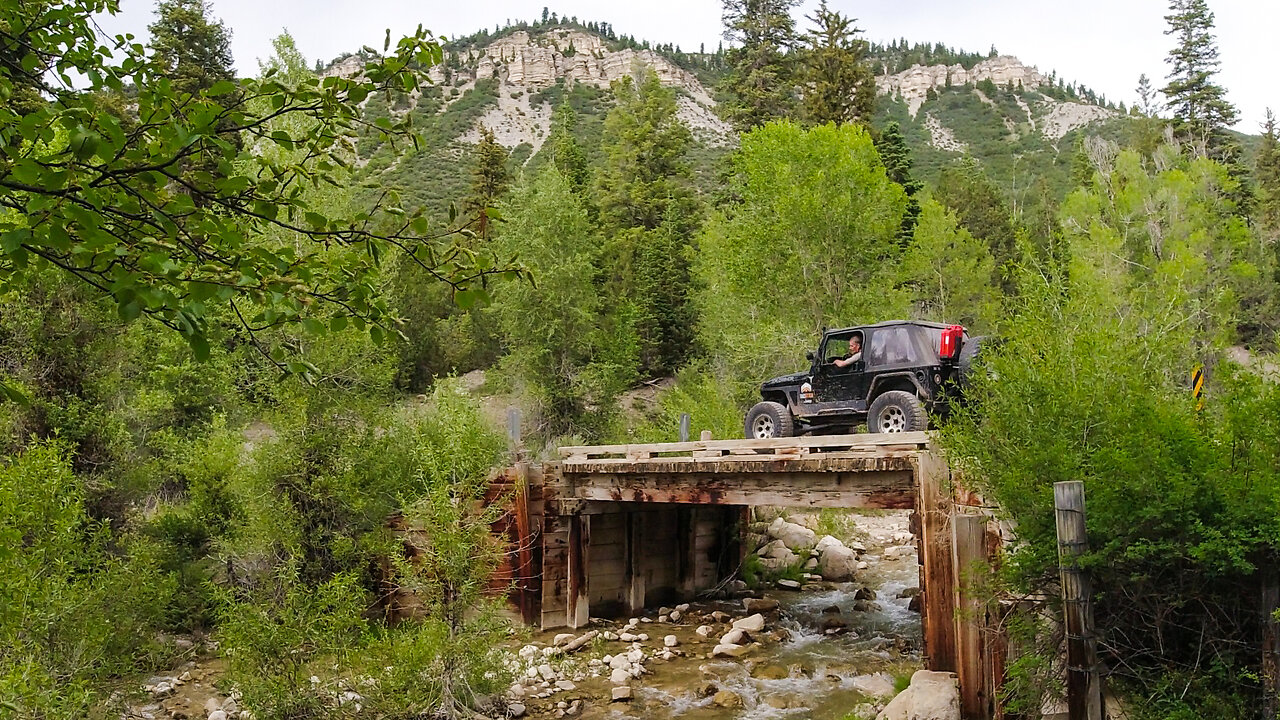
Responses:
[809,355]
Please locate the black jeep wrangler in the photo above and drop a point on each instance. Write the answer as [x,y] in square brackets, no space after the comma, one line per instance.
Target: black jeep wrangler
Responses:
[905,370]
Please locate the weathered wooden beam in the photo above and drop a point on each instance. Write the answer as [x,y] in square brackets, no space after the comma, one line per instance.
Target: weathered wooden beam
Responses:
[1084,682]
[634,578]
[937,579]
[969,563]
[577,609]
[888,498]
[743,464]
[912,440]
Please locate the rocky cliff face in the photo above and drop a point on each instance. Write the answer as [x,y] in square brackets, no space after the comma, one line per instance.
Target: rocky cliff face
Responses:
[914,83]
[522,63]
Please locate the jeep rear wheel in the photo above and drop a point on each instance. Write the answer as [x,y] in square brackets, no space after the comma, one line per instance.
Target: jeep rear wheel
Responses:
[769,420]
[897,411]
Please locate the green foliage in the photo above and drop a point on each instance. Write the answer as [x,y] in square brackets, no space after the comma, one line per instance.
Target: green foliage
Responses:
[76,600]
[568,368]
[805,248]
[164,211]
[1200,107]
[316,556]
[949,273]
[760,78]
[192,49]
[1091,384]
[646,203]
[645,176]
[712,404]
[983,212]
[566,153]
[489,182]
[896,157]
[838,84]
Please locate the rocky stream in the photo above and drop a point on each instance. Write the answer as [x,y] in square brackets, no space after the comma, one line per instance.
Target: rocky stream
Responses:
[838,643]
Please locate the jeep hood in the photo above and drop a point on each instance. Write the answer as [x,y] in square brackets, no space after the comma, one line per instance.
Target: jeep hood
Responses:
[783,381]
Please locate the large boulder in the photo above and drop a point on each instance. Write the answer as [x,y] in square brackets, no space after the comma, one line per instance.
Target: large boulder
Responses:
[826,542]
[931,696]
[837,563]
[794,536]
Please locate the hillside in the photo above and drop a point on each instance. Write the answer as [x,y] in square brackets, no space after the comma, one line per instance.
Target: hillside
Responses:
[1010,117]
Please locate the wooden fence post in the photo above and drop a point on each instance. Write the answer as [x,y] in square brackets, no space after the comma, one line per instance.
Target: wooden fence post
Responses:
[1084,683]
[937,579]
[969,559]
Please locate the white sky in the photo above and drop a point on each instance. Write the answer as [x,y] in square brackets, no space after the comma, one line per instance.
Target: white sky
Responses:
[1104,44]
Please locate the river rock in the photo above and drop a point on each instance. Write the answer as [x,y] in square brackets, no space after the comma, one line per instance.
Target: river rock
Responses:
[914,605]
[547,672]
[879,685]
[795,536]
[864,593]
[898,552]
[751,623]
[811,564]
[760,605]
[838,563]
[825,542]
[727,699]
[574,708]
[930,696]
[670,641]
[770,672]
[736,636]
[515,710]
[619,676]
[562,639]
[720,616]
[789,584]
[619,661]
[704,631]
[908,592]
[212,705]
[676,615]
[628,637]
[566,685]
[635,655]
[682,608]
[733,651]
[621,694]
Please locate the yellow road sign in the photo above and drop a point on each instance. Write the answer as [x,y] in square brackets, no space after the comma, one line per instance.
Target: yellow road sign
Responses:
[1197,386]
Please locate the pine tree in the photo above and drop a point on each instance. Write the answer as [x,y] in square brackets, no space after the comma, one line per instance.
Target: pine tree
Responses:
[645,170]
[649,211]
[896,156]
[193,49]
[1267,175]
[1200,107]
[981,209]
[760,77]
[837,83]
[566,154]
[489,181]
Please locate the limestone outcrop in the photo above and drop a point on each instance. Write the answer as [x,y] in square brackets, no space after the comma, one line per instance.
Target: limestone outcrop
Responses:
[914,83]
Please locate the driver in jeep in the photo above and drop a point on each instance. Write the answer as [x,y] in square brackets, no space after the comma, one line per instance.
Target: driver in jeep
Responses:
[855,353]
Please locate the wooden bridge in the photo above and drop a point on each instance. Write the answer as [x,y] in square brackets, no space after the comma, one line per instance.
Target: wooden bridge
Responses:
[608,530]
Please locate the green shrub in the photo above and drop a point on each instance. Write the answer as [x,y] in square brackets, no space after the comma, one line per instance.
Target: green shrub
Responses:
[77,602]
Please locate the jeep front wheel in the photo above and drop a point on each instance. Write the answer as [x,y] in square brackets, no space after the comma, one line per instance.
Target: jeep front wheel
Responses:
[769,420]
[897,411]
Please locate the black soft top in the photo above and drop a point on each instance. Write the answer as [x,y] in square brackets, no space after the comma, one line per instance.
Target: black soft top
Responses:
[887,323]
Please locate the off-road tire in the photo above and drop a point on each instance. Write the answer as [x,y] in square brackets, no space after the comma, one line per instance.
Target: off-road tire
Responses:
[897,411]
[968,356]
[769,419]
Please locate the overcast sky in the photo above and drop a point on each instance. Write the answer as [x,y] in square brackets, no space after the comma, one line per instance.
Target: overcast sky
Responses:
[1104,44]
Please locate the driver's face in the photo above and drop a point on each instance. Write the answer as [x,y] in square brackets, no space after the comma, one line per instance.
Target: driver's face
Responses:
[855,345]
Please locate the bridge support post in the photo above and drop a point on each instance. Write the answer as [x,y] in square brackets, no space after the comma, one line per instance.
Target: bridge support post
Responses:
[1084,682]
[970,561]
[937,577]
